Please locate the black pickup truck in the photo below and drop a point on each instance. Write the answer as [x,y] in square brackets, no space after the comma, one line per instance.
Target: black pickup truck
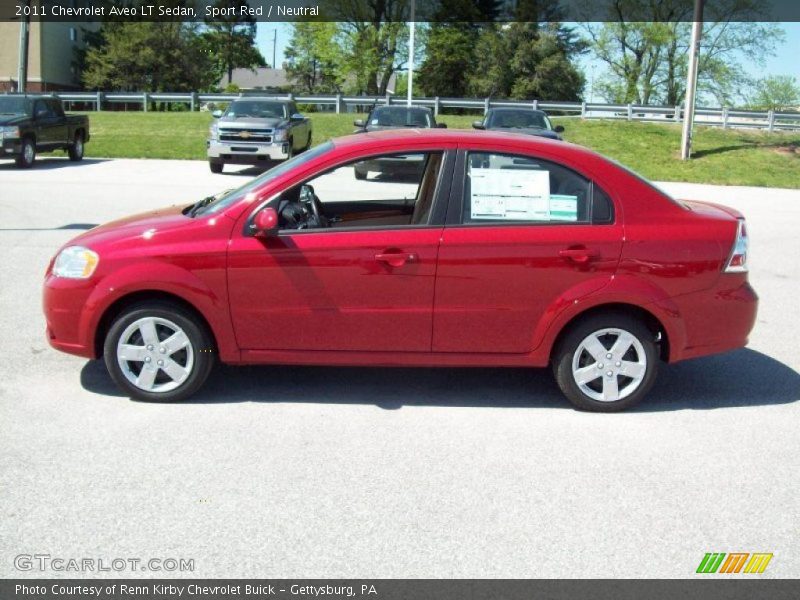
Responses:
[31,124]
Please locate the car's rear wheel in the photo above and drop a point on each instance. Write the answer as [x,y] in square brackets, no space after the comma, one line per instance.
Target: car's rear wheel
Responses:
[607,362]
[158,352]
[28,156]
[76,149]
[215,166]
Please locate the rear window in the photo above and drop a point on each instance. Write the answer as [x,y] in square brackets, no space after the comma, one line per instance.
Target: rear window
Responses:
[400,117]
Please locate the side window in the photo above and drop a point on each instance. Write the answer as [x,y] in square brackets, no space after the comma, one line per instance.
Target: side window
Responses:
[382,191]
[503,188]
[602,207]
[41,110]
[55,108]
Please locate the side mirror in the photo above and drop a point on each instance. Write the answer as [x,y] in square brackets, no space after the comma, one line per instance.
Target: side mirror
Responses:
[216,114]
[359,123]
[297,117]
[478,125]
[265,222]
[558,128]
[441,125]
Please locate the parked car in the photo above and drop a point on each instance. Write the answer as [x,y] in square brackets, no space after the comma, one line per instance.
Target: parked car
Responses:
[31,124]
[394,117]
[254,131]
[520,120]
[508,250]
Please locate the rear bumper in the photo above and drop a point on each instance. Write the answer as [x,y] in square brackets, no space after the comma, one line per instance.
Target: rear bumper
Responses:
[246,153]
[716,320]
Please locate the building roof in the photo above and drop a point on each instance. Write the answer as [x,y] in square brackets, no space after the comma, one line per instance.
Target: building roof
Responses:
[262,78]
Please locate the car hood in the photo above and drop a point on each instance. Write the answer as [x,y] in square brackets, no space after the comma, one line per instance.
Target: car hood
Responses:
[144,226]
[8,120]
[247,123]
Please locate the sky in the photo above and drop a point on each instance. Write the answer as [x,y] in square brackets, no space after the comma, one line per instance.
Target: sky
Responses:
[785,62]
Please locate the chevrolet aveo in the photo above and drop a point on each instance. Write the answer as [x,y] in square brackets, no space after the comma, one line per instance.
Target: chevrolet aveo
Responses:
[497,250]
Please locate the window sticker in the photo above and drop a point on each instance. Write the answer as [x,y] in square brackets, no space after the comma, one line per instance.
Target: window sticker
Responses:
[563,207]
[510,195]
[374,121]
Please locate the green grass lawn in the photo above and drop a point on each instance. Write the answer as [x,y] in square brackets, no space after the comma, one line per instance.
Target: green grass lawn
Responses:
[729,157]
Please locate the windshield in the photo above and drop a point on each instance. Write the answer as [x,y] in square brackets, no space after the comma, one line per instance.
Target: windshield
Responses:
[400,117]
[226,199]
[256,109]
[524,119]
[14,105]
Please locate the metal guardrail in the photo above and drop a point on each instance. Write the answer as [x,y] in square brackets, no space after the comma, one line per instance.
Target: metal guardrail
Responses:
[721,117]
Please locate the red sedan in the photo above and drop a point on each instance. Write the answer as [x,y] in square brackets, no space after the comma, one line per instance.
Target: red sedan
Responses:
[496,249]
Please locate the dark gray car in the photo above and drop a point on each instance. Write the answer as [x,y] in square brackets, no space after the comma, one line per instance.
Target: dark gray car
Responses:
[394,117]
[520,120]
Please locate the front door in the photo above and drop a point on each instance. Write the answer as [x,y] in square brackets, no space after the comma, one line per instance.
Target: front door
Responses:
[358,277]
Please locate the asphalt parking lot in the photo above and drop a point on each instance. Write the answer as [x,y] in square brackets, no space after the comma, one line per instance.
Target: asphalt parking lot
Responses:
[331,472]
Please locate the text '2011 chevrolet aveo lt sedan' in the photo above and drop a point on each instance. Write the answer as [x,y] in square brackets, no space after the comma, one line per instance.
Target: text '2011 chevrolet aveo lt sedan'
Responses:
[495,249]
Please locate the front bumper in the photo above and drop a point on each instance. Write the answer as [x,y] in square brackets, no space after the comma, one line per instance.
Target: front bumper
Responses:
[64,302]
[246,153]
[10,147]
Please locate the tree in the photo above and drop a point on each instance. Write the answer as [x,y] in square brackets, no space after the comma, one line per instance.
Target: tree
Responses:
[148,57]
[313,58]
[373,38]
[645,46]
[538,62]
[230,42]
[776,92]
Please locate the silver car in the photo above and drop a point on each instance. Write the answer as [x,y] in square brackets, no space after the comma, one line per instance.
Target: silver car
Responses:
[256,131]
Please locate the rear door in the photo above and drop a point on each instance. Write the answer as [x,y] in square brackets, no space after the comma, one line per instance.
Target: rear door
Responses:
[522,236]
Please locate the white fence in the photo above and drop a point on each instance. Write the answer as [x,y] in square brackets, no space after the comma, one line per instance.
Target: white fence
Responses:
[721,117]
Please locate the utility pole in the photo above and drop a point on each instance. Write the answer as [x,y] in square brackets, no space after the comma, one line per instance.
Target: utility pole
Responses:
[274,47]
[411,54]
[22,72]
[691,81]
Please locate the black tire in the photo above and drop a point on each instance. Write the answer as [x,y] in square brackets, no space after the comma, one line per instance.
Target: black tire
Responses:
[202,347]
[565,355]
[290,149]
[75,150]
[360,174]
[308,143]
[28,156]
[215,166]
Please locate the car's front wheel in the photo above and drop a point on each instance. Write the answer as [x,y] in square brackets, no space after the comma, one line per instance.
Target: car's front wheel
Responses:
[607,362]
[28,155]
[215,166]
[158,352]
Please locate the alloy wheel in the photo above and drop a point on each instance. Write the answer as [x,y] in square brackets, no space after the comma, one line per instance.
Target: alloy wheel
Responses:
[155,354]
[609,365]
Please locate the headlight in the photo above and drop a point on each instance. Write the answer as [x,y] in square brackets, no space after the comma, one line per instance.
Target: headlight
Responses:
[75,262]
[9,133]
[213,131]
[279,135]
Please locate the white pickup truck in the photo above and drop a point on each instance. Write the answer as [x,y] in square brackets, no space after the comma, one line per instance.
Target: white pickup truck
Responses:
[255,131]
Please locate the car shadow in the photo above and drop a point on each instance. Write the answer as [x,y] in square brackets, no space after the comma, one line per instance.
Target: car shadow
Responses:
[45,163]
[739,378]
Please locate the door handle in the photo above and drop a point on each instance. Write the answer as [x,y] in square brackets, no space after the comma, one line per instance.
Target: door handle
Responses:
[578,255]
[396,259]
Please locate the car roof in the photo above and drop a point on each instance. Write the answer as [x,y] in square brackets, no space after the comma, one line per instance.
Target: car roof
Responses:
[262,99]
[400,107]
[517,109]
[499,138]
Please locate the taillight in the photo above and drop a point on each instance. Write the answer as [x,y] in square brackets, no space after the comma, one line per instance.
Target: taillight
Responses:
[737,263]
